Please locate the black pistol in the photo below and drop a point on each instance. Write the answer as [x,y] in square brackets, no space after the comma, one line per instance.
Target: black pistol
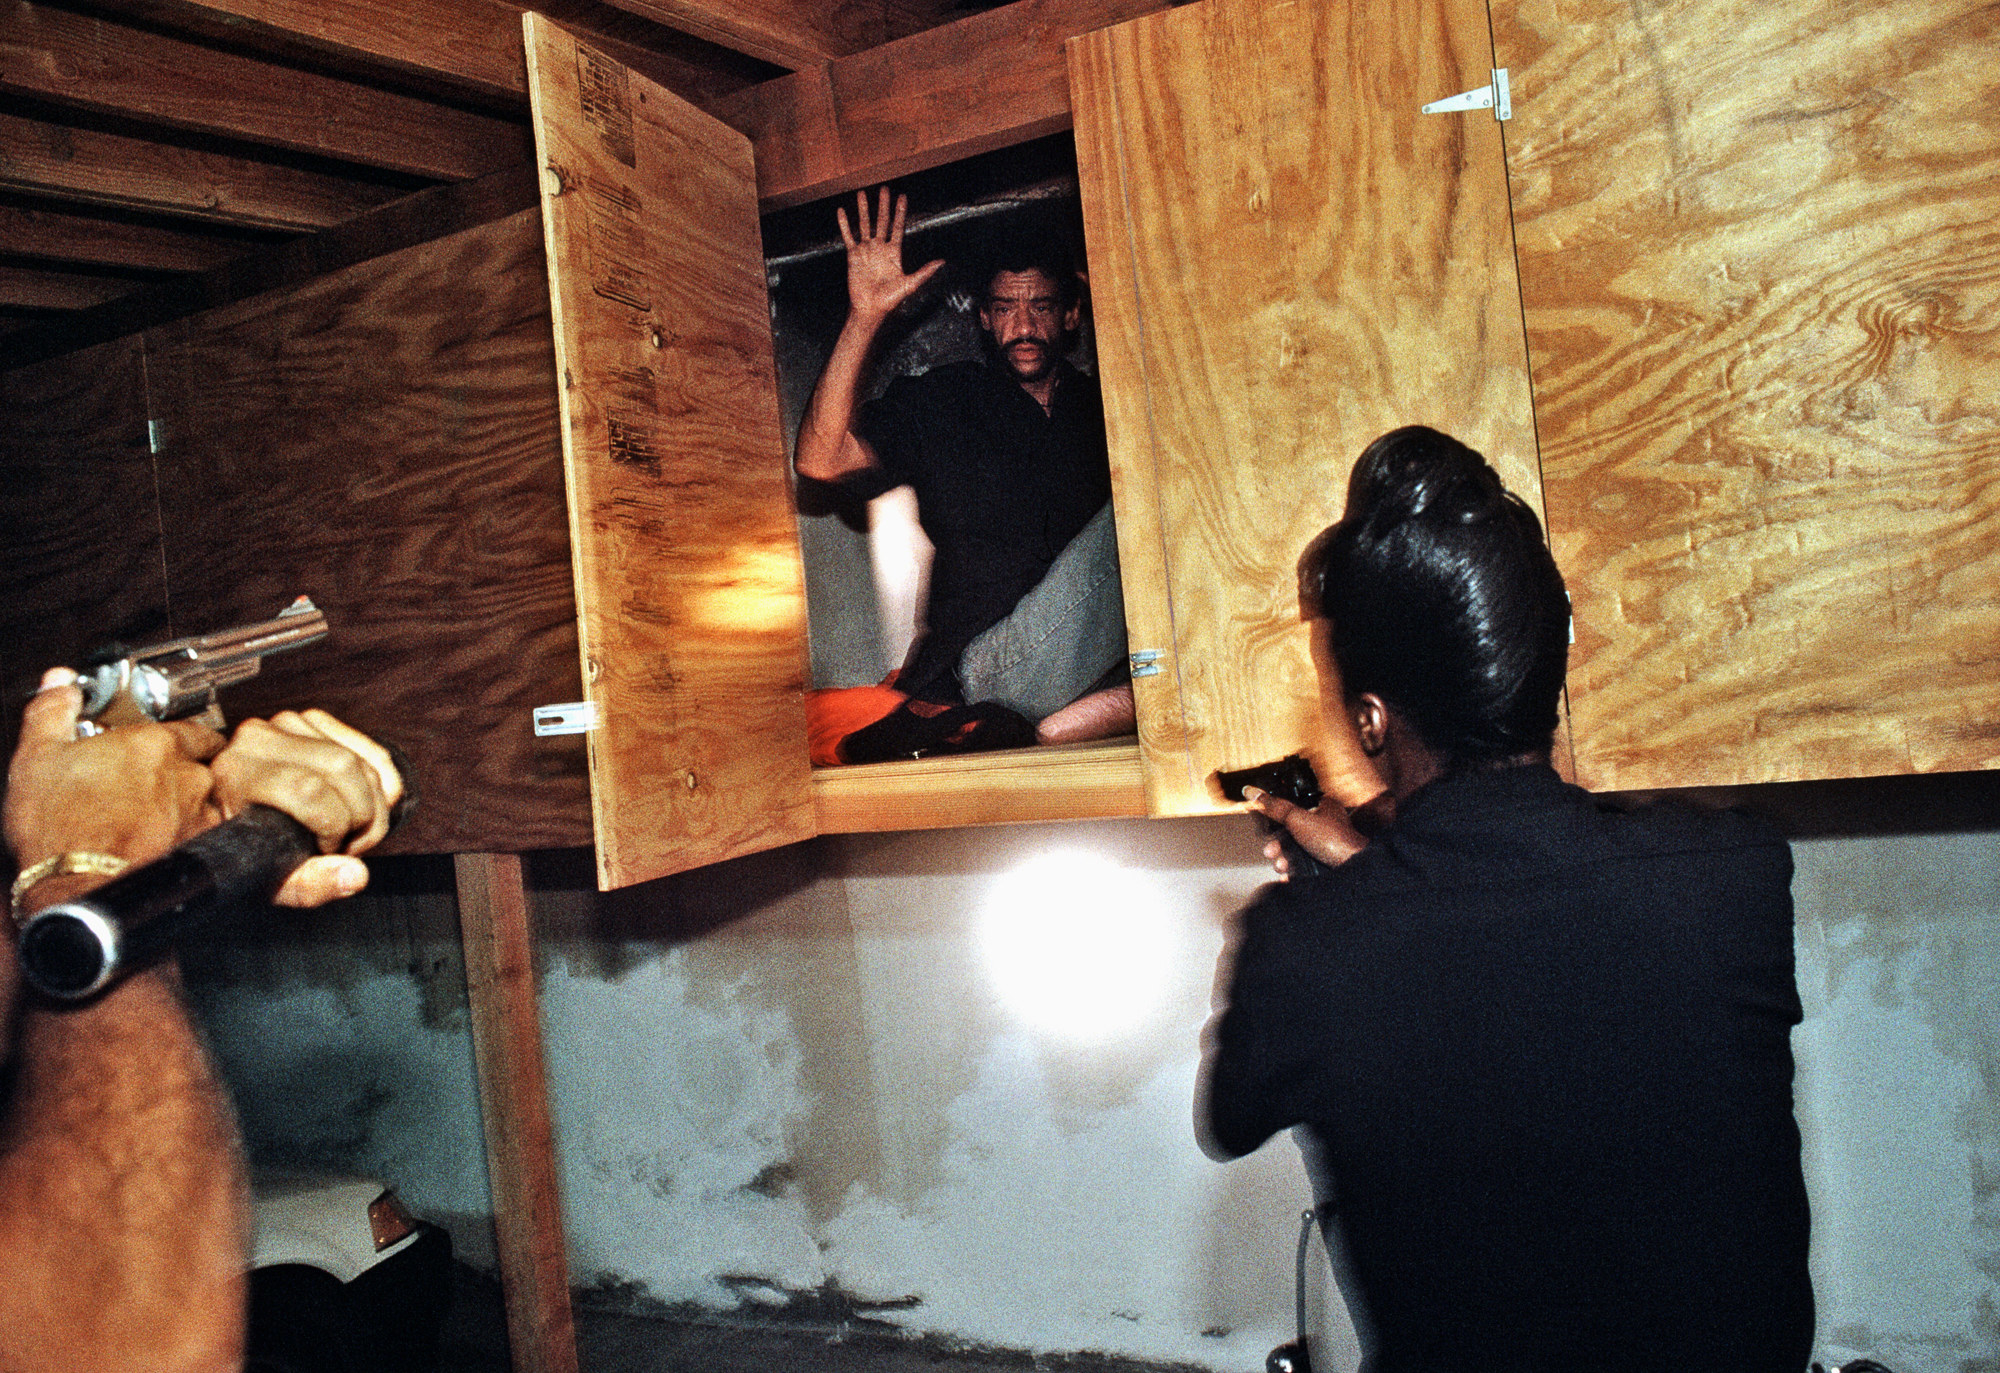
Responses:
[1292,779]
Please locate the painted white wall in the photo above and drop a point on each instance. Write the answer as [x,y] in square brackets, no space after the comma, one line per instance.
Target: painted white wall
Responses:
[1899,1095]
[801,1073]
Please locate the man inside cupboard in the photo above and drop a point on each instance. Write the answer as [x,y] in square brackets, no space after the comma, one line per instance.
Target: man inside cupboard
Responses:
[1006,456]
[1539,1047]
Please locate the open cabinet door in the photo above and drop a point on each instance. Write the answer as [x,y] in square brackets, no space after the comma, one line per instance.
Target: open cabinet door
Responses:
[689,589]
[1760,262]
[1288,258]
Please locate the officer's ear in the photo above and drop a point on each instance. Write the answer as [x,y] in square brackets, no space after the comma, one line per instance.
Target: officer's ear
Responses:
[1370,714]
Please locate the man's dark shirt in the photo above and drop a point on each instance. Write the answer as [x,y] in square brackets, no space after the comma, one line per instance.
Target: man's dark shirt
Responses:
[1001,489]
[1546,1048]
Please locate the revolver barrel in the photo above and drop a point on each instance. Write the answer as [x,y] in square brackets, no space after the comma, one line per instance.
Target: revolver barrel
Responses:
[167,681]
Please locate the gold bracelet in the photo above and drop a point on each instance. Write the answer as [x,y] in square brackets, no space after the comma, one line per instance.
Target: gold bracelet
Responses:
[62,865]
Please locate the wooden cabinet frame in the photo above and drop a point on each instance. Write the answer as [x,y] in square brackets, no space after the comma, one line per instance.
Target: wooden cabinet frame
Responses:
[1227,471]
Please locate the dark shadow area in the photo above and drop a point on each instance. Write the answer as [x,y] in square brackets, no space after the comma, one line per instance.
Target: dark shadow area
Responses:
[676,909]
[1859,807]
[821,1336]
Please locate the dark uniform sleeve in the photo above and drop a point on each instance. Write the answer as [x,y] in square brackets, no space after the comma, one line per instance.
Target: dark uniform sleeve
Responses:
[1258,1054]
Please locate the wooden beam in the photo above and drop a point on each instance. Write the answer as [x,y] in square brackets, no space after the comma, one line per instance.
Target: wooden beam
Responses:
[694,68]
[788,33]
[90,239]
[68,163]
[986,82]
[27,288]
[472,47]
[94,64]
[465,45]
[513,1100]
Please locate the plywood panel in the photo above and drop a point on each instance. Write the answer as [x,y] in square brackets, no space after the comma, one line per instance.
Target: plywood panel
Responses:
[1059,782]
[1760,256]
[384,439]
[78,520]
[1288,259]
[689,584]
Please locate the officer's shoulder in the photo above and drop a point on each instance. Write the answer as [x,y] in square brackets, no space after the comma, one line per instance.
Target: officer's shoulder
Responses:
[1676,823]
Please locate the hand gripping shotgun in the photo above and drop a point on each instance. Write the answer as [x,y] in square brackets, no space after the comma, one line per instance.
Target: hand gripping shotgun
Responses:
[75,949]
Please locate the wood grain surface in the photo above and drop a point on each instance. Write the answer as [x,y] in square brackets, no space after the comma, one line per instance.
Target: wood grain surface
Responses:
[1060,782]
[986,81]
[131,173]
[384,440]
[688,579]
[1760,259]
[1288,259]
[78,520]
[47,53]
[520,1131]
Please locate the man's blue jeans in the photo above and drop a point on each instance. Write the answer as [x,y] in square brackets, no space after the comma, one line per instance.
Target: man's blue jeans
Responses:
[1061,637]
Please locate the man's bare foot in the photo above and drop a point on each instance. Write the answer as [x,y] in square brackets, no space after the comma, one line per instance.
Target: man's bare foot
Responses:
[1100,715]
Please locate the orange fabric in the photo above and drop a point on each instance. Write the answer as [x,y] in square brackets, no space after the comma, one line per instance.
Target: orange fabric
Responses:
[833,713]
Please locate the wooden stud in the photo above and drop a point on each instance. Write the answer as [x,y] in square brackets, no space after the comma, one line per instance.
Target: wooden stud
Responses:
[447,47]
[513,1100]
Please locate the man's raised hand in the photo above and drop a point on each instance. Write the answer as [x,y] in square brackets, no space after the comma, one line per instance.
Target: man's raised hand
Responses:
[876,281]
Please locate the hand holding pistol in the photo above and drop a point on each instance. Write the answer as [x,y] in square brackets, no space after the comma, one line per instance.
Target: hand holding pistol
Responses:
[179,678]
[358,791]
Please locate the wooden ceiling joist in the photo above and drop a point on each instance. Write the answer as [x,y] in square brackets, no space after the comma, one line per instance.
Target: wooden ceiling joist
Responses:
[59,237]
[27,288]
[62,162]
[470,46]
[947,93]
[791,34]
[140,139]
[73,60]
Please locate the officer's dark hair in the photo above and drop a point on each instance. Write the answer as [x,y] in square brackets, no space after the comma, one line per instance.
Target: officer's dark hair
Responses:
[1034,252]
[1444,600]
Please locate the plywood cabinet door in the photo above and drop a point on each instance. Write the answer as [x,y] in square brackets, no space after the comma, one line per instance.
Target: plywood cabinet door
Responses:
[690,597]
[1287,259]
[1760,263]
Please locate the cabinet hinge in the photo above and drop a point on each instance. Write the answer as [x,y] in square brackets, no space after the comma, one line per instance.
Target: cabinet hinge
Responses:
[1145,662]
[572,717]
[1494,97]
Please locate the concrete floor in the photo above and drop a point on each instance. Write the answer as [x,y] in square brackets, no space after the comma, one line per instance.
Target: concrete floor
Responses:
[622,1341]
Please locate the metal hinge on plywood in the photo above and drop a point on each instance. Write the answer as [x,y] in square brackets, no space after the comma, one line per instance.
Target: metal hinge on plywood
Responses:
[571,717]
[1494,97]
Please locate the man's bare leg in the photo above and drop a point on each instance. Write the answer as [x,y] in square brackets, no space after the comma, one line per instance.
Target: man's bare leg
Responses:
[1102,714]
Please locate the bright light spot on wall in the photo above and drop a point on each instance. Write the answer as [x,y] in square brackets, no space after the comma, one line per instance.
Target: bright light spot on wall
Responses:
[1076,945]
